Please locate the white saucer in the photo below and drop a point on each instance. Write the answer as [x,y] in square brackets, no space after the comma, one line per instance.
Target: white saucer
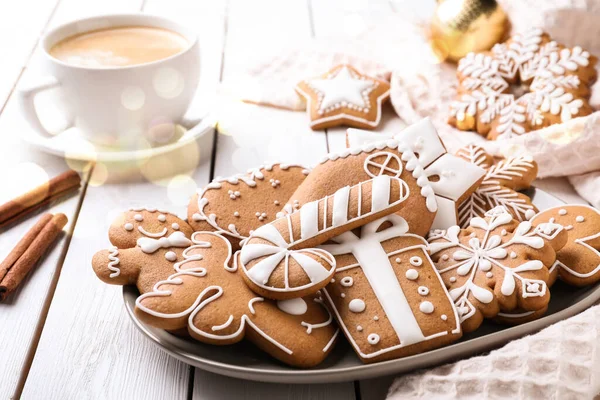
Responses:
[71,145]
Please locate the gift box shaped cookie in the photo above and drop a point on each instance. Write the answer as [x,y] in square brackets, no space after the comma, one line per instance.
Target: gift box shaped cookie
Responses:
[386,293]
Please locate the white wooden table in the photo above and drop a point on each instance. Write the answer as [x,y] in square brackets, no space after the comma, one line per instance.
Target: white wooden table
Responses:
[66,335]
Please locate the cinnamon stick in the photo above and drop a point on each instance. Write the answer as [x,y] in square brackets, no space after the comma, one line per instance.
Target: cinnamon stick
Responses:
[23,245]
[34,251]
[40,195]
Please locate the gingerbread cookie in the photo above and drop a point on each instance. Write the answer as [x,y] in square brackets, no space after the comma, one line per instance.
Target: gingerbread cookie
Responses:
[208,296]
[344,96]
[437,181]
[578,262]
[386,293]
[237,205]
[278,260]
[556,80]
[146,244]
[496,264]
[499,186]
[518,317]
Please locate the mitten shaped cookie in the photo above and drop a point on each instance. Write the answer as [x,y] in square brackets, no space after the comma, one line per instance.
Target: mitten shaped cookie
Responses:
[237,205]
[208,296]
[499,186]
[146,244]
[386,293]
[278,260]
[496,264]
[578,262]
[437,181]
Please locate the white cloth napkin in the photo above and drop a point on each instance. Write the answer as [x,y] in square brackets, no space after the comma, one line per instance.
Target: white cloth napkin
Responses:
[560,362]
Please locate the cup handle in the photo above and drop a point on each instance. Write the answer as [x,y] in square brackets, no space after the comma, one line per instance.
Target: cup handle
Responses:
[26,100]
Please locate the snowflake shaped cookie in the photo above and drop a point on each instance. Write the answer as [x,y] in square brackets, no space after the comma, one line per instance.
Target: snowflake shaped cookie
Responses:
[499,186]
[344,96]
[554,82]
[496,264]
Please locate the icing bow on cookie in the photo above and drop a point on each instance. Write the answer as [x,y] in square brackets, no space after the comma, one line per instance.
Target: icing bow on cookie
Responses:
[175,239]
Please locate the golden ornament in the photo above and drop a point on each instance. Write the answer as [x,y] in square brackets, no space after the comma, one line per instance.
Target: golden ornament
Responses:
[461,26]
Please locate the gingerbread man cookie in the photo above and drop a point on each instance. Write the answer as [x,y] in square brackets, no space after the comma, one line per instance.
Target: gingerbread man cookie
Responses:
[499,186]
[386,293]
[207,295]
[344,96]
[578,262]
[146,244]
[237,205]
[278,260]
[496,264]
[437,180]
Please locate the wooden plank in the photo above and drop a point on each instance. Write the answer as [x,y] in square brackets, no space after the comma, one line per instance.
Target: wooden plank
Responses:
[209,386]
[93,348]
[249,136]
[20,30]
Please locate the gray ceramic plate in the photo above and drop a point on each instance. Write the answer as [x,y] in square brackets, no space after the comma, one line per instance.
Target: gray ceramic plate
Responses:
[244,361]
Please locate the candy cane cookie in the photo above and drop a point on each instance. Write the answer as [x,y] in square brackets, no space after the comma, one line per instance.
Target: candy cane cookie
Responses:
[278,261]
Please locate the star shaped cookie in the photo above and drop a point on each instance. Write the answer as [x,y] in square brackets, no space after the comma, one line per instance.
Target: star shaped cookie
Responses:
[344,96]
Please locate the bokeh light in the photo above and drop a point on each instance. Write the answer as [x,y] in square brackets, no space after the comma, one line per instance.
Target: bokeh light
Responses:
[21,178]
[99,175]
[168,82]
[158,168]
[133,98]
[180,189]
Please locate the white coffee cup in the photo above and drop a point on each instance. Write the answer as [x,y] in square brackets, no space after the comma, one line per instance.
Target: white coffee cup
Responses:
[118,106]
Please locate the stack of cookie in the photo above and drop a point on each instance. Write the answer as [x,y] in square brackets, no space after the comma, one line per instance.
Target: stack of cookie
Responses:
[527,83]
[288,257]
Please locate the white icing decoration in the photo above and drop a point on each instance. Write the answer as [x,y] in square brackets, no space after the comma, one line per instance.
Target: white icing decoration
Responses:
[359,328]
[398,260]
[562,211]
[525,57]
[422,139]
[171,255]
[152,234]
[295,306]
[176,239]
[138,217]
[444,317]
[162,218]
[175,226]
[376,318]
[347,281]
[383,167]
[423,291]
[356,305]
[249,179]
[223,326]
[379,271]
[412,274]
[310,327]
[580,218]
[251,303]
[426,307]
[373,338]
[128,226]
[277,251]
[113,262]
[487,253]
[489,275]
[416,261]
